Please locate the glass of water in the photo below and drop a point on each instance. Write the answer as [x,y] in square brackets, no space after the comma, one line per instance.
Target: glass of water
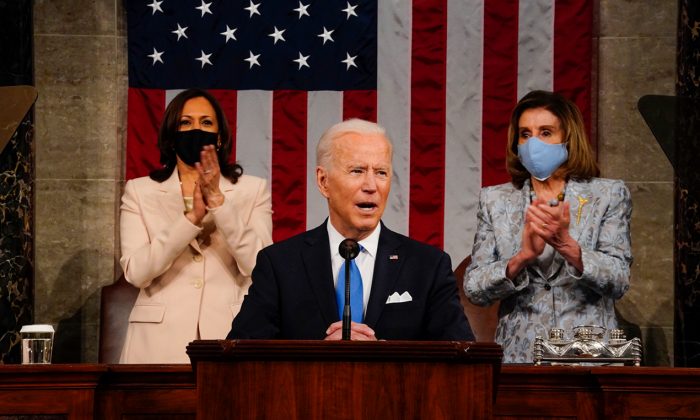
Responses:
[37,343]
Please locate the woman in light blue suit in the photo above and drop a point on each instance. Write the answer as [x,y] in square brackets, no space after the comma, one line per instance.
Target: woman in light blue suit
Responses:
[553,246]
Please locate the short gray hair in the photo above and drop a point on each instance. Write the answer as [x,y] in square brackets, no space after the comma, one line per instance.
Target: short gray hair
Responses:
[353,125]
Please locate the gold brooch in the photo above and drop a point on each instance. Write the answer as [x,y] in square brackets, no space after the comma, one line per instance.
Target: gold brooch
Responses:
[581,202]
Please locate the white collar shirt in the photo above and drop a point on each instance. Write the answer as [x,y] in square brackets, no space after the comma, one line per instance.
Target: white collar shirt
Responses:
[365,260]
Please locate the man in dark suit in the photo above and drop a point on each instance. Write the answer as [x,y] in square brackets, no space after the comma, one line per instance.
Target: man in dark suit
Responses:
[408,290]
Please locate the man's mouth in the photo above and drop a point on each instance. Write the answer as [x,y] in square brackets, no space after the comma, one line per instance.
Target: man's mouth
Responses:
[366,206]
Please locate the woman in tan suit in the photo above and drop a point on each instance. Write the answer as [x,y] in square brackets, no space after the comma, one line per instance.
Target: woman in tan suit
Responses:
[190,233]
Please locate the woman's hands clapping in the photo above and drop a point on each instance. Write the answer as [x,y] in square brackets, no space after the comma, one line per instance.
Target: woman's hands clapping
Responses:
[206,193]
[550,223]
[209,176]
[532,244]
[545,224]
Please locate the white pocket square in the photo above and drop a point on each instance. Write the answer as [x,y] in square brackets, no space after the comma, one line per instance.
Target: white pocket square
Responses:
[399,298]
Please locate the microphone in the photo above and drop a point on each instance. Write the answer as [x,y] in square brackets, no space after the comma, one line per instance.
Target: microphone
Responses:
[348,249]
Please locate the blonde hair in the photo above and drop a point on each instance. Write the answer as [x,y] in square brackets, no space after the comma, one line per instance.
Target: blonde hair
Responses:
[353,125]
[581,163]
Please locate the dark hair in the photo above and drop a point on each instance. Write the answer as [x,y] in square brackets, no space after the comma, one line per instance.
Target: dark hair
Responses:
[170,125]
[581,163]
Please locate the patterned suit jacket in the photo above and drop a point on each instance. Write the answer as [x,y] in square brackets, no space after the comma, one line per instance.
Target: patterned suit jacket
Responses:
[561,297]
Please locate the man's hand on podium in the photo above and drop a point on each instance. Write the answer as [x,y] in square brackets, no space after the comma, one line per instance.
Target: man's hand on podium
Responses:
[358,332]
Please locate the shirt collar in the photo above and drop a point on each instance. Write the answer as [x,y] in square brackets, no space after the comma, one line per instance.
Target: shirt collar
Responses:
[370,243]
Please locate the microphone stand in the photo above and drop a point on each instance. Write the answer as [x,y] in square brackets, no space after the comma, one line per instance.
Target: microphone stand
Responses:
[349,249]
[347,311]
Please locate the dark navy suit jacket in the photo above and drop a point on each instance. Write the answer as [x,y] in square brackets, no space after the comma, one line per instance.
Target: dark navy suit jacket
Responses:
[293,297]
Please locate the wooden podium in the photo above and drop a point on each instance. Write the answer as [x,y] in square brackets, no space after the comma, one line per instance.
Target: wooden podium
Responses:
[344,379]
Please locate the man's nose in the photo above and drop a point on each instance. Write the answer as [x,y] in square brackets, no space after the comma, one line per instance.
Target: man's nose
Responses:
[370,183]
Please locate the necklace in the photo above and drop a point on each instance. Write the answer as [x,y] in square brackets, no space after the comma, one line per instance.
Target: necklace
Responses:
[554,201]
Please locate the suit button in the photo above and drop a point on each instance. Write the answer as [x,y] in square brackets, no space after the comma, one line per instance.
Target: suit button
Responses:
[547,287]
[198,283]
[197,257]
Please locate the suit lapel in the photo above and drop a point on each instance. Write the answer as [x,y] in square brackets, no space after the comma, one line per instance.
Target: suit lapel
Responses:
[387,266]
[170,198]
[171,202]
[582,202]
[225,185]
[520,200]
[317,261]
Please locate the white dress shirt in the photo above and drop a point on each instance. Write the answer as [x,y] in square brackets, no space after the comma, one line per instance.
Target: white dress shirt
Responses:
[365,260]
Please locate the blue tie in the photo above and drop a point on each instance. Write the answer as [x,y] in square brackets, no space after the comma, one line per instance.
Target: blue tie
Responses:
[356,302]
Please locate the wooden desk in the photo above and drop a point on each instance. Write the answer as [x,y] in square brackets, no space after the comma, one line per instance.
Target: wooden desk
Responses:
[556,392]
[141,391]
[67,391]
[524,392]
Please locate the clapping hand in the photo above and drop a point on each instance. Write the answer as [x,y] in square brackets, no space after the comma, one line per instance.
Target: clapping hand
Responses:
[209,176]
[551,223]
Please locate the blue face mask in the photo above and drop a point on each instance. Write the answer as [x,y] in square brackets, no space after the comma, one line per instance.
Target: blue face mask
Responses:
[542,159]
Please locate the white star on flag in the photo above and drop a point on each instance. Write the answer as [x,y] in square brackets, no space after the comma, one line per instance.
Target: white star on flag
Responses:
[350,10]
[252,59]
[349,61]
[155,5]
[205,8]
[302,61]
[253,9]
[156,56]
[204,59]
[229,34]
[326,35]
[277,35]
[303,9]
[180,31]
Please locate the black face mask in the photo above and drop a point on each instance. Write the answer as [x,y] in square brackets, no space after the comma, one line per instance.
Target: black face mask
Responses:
[188,144]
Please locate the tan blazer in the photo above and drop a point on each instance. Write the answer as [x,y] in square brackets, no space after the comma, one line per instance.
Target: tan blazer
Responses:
[192,279]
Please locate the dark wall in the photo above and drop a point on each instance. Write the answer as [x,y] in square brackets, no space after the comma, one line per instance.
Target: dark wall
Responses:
[16,41]
[687,190]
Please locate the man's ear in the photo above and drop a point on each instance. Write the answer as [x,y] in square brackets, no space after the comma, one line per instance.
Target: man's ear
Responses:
[322,180]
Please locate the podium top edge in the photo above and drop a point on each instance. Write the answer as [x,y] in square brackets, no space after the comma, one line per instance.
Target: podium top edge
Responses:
[396,351]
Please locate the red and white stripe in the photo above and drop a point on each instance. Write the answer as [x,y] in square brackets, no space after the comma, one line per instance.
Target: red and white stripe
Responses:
[449,73]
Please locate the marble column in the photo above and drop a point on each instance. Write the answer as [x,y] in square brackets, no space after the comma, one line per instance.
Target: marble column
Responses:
[16,240]
[687,190]
[16,179]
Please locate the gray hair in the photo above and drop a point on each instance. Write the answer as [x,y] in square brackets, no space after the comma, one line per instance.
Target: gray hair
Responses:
[353,125]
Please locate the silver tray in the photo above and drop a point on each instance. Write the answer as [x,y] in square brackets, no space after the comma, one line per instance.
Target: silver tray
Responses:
[587,344]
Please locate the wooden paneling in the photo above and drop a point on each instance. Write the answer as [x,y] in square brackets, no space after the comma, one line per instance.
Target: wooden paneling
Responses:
[67,390]
[349,383]
[554,392]
[344,380]
[138,391]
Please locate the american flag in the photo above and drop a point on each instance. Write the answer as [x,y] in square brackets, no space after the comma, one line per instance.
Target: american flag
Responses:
[440,75]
